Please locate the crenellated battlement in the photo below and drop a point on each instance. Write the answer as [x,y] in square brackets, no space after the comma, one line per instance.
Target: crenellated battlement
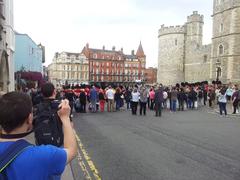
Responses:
[171,30]
[195,17]
[221,6]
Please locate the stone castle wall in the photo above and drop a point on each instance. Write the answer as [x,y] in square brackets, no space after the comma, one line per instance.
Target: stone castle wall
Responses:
[197,65]
[226,33]
[181,53]
[190,60]
[165,30]
[171,54]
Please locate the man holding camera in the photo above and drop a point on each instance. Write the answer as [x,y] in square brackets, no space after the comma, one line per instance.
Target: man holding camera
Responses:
[47,123]
[31,162]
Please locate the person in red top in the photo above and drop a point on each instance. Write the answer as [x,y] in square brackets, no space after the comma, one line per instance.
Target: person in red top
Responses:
[151,96]
[87,93]
[205,94]
[102,99]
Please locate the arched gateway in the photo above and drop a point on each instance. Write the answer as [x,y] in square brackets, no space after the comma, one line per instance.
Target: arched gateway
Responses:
[4,71]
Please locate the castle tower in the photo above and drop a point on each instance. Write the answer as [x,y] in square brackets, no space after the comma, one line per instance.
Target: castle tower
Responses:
[196,55]
[225,61]
[194,28]
[171,55]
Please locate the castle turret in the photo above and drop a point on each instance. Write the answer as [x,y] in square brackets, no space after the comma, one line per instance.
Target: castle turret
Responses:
[171,54]
[194,28]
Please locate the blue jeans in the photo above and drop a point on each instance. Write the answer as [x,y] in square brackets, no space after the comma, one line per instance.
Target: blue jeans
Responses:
[189,103]
[118,104]
[173,105]
[222,107]
[128,104]
[93,103]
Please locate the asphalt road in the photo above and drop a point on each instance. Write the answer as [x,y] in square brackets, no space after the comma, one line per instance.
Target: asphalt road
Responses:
[189,145]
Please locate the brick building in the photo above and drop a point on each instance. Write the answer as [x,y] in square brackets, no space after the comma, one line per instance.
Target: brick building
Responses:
[114,67]
[151,75]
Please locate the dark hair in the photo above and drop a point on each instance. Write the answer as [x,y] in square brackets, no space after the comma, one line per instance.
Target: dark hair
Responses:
[15,109]
[223,90]
[47,90]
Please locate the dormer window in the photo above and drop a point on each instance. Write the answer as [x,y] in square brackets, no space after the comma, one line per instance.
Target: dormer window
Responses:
[95,56]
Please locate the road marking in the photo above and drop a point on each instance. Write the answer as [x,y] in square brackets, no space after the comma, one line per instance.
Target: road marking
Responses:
[88,160]
[83,166]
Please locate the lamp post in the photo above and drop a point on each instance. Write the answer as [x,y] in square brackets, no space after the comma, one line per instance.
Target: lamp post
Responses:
[218,73]
[218,69]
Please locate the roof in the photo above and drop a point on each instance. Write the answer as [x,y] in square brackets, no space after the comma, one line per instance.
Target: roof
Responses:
[130,56]
[87,51]
[105,51]
[74,54]
[68,54]
[140,52]
[24,34]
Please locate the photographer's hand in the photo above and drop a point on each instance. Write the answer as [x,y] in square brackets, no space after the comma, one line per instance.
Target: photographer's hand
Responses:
[64,111]
[70,143]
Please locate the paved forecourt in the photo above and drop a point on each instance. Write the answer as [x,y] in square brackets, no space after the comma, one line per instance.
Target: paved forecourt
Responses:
[193,144]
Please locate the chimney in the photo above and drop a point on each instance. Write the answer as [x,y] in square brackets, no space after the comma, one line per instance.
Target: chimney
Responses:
[103,47]
[113,48]
[87,46]
[132,52]
[122,50]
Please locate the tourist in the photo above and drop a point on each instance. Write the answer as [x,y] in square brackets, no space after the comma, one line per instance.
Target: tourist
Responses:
[235,99]
[222,101]
[135,100]
[158,101]
[110,99]
[143,100]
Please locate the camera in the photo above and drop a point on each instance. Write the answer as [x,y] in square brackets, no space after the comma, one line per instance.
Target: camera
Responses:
[55,104]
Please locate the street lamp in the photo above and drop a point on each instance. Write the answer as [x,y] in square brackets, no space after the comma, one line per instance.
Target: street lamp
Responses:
[218,73]
[218,69]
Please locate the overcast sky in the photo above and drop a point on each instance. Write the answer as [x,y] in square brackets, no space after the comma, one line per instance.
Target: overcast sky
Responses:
[62,25]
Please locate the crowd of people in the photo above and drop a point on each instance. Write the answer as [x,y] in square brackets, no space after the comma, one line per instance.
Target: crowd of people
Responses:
[174,98]
[47,112]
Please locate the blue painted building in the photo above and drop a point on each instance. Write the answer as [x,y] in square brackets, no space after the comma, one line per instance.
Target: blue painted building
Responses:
[28,55]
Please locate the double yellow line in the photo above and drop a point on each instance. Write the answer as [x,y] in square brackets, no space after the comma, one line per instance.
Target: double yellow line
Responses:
[88,160]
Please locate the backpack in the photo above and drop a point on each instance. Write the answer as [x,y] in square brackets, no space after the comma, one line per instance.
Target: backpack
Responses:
[77,103]
[10,154]
[238,96]
[200,94]
[47,125]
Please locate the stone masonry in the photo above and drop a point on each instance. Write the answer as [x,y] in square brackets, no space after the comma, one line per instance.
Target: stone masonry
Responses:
[183,58]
